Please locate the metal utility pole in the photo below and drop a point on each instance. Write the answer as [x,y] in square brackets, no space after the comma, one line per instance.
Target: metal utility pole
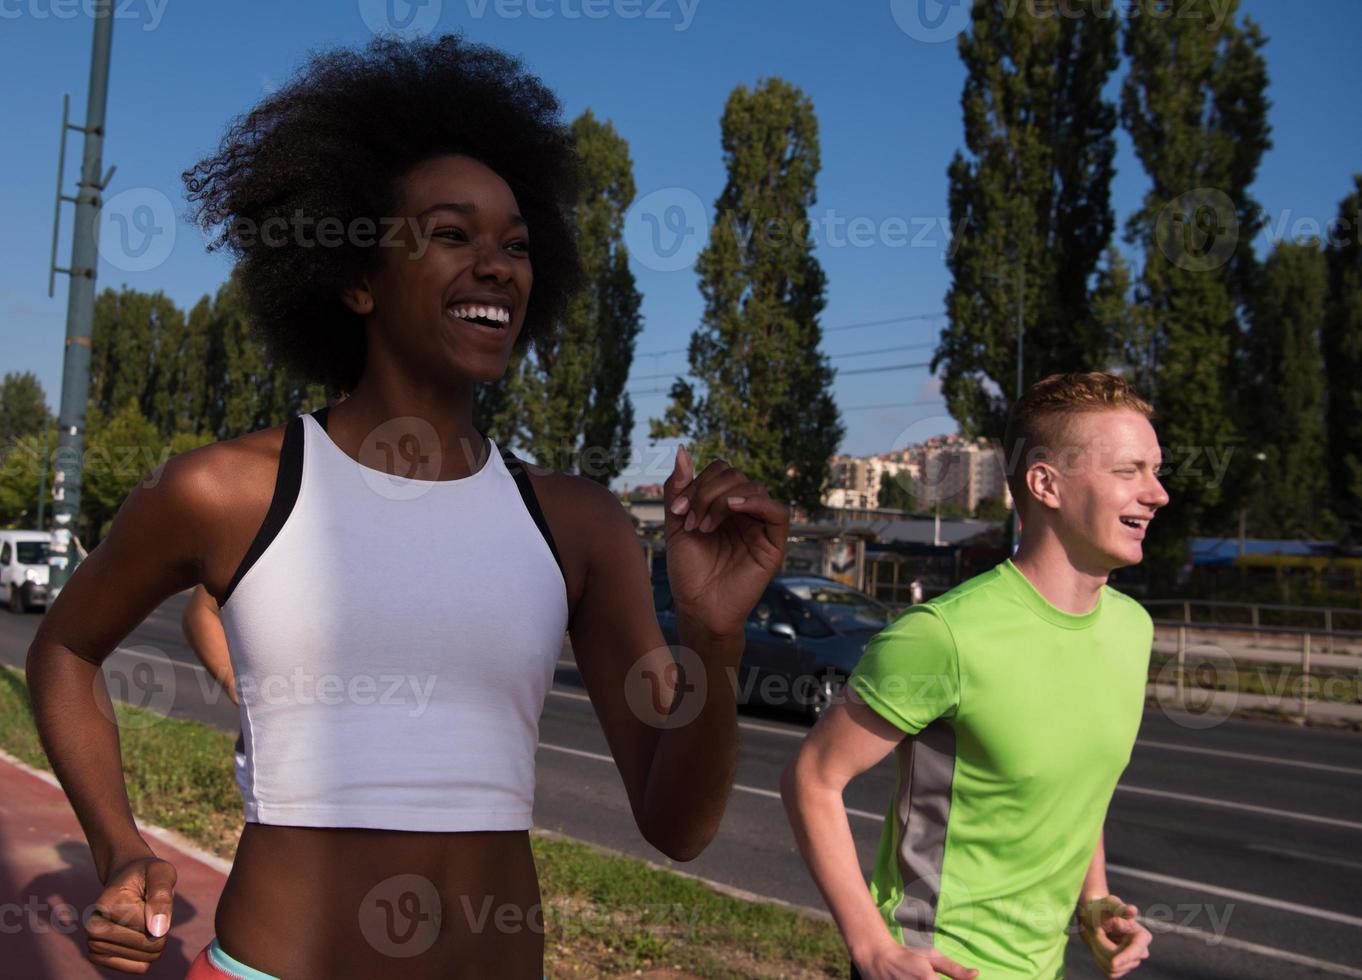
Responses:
[75,380]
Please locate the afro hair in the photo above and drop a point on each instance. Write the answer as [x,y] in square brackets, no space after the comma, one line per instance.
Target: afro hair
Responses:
[335,142]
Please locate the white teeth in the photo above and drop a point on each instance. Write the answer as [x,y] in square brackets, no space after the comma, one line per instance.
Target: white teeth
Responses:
[495,313]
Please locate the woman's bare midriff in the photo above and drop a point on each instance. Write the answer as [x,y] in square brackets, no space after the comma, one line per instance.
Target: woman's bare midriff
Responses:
[307,903]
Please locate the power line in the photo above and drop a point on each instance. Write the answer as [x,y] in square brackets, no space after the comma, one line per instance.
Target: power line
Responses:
[916,404]
[845,326]
[893,367]
[831,357]
[875,370]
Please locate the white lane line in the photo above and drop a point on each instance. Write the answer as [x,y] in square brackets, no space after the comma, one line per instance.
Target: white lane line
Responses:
[1138,790]
[1272,903]
[739,787]
[1210,939]
[748,725]
[1305,856]
[1201,886]
[800,733]
[1245,807]
[1274,759]
[161,657]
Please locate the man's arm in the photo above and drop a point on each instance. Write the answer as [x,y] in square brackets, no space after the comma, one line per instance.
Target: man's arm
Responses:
[1119,943]
[847,741]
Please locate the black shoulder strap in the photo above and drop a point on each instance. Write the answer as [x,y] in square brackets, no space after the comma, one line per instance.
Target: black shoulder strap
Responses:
[286,484]
[320,416]
[522,480]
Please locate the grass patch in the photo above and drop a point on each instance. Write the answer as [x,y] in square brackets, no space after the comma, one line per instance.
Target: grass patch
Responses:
[605,915]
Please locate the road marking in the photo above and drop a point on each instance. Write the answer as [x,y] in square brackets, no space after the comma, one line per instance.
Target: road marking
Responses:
[1304,856]
[1273,903]
[1200,886]
[800,733]
[739,787]
[1276,760]
[1210,939]
[1246,807]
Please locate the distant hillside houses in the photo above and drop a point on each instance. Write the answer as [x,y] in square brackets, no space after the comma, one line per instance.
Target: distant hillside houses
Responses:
[950,471]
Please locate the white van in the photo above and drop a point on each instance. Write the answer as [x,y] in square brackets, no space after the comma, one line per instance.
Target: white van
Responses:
[23,569]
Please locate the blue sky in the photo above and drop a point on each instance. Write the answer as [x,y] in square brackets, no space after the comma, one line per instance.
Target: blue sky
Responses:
[886,92]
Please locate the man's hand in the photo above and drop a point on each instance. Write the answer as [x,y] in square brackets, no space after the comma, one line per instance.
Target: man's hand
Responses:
[895,962]
[1118,942]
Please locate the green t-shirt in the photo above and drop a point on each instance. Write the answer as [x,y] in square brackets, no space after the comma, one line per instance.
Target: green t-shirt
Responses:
[1022,718]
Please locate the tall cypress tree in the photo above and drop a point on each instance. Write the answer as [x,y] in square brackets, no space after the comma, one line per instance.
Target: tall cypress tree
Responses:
[1030,204]
[1342,342]
[1283,397]
[766,407]
[23,406]
[564,400]
[1195,105]
[133,350]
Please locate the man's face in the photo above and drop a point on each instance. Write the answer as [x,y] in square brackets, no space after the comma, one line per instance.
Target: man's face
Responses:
[452,296]
[1108,488]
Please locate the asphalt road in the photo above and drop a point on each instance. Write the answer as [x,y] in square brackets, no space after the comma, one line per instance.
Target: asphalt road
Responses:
[1242,842]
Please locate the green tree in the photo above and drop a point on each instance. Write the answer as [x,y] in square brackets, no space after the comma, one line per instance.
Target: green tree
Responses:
[134,347]
[896,491]
[1342,342]
[1124,324]
[20,471]
[1283,394]
[1029,205]
[766,407]
[120,451]
[564,400]
[992,509]
[23,406]
[1194,103]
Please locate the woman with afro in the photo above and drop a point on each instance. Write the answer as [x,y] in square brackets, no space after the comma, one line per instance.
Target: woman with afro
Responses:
[394,587]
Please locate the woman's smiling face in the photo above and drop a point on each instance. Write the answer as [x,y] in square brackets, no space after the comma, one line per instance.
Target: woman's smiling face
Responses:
[449,294]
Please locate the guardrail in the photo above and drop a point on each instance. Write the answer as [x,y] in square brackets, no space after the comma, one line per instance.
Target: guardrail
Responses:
[1328,614]
[1306,648]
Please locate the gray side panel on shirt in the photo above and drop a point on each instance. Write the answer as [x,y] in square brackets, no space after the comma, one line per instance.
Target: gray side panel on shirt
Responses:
[926,769]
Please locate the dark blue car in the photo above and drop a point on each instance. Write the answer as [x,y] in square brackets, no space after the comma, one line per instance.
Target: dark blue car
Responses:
[803,640]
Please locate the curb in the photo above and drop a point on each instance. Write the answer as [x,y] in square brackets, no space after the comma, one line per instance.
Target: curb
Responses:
[170,837]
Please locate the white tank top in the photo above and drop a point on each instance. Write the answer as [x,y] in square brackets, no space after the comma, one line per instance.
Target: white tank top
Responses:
[393,641]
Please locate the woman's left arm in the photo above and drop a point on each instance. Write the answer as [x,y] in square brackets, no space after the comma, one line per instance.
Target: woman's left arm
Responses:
[671,721]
